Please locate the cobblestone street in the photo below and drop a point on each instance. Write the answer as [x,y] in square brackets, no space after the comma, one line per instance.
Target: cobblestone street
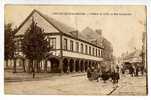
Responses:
[77,84]
[132,86]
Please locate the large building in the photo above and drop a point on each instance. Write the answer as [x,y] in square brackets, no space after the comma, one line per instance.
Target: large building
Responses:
[70,52]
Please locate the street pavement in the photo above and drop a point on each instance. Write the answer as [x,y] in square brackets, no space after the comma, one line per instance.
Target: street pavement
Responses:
[132,86]
[74,84]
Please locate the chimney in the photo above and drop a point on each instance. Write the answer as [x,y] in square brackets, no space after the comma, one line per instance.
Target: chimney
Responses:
[99,31]
[75,33]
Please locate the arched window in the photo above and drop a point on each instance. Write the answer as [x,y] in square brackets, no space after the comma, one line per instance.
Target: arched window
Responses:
[71,45]
[86,49]
[89,50]
[65,46]
[81,47]
[77,46]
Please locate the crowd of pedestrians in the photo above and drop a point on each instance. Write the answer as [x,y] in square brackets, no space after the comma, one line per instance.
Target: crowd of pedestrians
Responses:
[133,69]
[113,74]
[97,74]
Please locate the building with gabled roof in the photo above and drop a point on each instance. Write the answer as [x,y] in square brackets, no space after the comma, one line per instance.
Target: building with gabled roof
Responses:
[70,51]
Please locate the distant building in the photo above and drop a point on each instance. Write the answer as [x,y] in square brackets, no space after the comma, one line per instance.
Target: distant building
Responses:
[71,51]
[132,57]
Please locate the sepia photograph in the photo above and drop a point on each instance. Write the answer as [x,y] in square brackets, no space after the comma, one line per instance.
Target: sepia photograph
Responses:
[92,50]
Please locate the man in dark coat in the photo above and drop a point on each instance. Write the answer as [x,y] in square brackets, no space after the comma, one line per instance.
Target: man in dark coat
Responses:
[131,70]
[115,77]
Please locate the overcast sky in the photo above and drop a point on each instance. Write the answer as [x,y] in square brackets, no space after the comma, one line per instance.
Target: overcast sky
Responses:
[123,31]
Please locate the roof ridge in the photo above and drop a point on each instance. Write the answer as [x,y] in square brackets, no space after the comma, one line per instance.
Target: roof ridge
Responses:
[42,15]
[62,27]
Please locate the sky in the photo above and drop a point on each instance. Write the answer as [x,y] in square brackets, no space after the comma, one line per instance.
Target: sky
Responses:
[122,25]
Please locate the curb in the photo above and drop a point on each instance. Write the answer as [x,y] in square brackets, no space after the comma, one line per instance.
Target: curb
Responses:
[78,75]
[112,91]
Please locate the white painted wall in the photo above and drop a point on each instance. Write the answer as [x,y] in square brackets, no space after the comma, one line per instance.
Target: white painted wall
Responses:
[80,45]
[78,55]
[55,53]
[82,56]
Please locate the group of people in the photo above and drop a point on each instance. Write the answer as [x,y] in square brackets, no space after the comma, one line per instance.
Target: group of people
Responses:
[94,73]
[134,69]
[97,74]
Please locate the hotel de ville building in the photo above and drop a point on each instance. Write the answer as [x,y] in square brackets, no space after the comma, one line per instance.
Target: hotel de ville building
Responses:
[71,50]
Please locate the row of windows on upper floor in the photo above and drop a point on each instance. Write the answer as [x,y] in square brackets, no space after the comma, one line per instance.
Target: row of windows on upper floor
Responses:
[52,43]
[81,48]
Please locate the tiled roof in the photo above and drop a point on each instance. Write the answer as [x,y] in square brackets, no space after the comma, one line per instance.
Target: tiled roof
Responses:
[89,33]
[60,26]
[91,36]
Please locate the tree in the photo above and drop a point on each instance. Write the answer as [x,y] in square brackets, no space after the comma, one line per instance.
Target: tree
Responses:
[9,43]
[107,53]
[34,45]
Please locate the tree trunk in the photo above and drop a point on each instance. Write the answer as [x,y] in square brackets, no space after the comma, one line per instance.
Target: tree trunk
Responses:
[33,68]
[38,66]
[24,65]
[32,65]
[14,68]
[6,63]
[41,66]
[29,66]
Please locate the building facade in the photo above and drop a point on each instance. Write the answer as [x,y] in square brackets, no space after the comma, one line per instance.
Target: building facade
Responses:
[70,51]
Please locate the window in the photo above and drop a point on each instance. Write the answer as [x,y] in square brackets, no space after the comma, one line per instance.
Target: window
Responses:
[77,46]
[86,49]
[52,43]
[81,48]
[71,45]
[18,45]
[99,52]
[96,52]
[93,52]
[65,44]
[90,50]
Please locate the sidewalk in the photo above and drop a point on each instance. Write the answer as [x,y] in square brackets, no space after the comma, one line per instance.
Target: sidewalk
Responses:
[54,84]
[68,85]
[9,76]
